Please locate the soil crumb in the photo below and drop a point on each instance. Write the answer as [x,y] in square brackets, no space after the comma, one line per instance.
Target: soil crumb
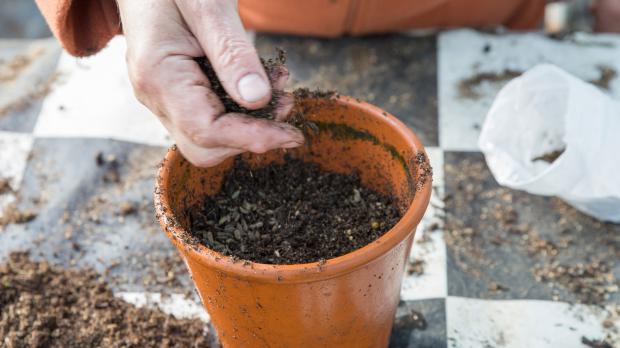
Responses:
[416,267]
[43,306]
[549,157]
[595,343]
[607,74]
[291,213]
[13,215]
[412,320]
[467,87]
[592,282]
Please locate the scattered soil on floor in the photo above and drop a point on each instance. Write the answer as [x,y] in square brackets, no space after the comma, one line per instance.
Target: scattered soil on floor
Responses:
[507,232]
[413,320]
[592,343]
[416,267]
[291,213]
[468,86]
[549,157]
[39,91]
[591,282]
[11,69]
[13,215]
[5,186]
[43,306]
[607,74]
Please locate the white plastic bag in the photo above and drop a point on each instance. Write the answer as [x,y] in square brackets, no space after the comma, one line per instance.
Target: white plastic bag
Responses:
[545,111]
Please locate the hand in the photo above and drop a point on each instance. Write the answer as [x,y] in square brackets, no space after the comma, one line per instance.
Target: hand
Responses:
[163,37]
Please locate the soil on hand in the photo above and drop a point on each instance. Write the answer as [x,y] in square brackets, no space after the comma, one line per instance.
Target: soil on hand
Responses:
[274,67]
[291,213]
[42,306]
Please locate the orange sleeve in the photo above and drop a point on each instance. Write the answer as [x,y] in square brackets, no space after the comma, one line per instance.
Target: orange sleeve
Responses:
[83,27]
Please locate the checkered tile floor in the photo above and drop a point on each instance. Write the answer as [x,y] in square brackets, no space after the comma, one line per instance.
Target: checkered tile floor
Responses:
[478,286]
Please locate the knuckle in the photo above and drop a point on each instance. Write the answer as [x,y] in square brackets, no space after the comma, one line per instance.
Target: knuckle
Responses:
[233,51]
[200,161]
[259,148]
[141,76]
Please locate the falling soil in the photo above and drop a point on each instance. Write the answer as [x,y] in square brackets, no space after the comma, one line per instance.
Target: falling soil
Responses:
[291,213]
[43,306]
[467,87]
[549,157]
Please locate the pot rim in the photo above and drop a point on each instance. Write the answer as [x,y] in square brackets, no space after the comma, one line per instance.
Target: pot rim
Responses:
[306,272]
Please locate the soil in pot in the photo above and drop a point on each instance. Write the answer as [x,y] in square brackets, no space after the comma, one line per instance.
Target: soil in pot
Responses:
[291,213]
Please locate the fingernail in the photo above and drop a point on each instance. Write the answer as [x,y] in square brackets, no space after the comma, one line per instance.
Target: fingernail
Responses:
[252,88]
[291,144]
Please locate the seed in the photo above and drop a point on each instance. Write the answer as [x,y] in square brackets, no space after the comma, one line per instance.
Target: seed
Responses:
[235,194]
[277,252]
[224,219]
[374,225]
[257,225]
[237,234]
[356,196]
[210,237]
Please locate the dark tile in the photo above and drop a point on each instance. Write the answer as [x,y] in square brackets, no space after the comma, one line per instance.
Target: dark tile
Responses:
[97,215]
[26,87]
[420,324]
[500,241]
[21,19]
[395,72]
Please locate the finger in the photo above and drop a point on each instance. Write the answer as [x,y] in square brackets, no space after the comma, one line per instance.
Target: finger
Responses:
[190,106]
[285,105]
[203,157]
[218,28]
[250,134]
[279,77]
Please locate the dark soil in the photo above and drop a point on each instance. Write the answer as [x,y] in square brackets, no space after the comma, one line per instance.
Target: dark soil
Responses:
[467,87]
[607,74]
[291,213]
[595,343]
[42,306]
[274,67]
[549,157]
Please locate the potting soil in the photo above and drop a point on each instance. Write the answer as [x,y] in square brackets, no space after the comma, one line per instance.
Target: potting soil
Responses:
[291,213]
[44,306]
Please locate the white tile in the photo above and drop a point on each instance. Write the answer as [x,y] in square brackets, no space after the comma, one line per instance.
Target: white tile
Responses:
[429,246]
[175,304]
[95,99]
[524,323]
[14,151]
[461,55]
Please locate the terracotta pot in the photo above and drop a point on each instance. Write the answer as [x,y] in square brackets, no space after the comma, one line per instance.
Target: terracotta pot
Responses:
[349,301]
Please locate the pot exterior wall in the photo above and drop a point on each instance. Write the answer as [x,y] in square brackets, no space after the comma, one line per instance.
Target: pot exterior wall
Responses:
[354,309]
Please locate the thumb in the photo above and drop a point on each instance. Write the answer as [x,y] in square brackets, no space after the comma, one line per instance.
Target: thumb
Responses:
[217,27]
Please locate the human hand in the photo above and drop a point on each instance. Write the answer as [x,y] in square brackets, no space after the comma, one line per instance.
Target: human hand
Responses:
[163,37]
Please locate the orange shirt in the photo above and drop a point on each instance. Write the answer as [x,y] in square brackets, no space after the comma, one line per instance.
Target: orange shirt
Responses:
[85,26]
